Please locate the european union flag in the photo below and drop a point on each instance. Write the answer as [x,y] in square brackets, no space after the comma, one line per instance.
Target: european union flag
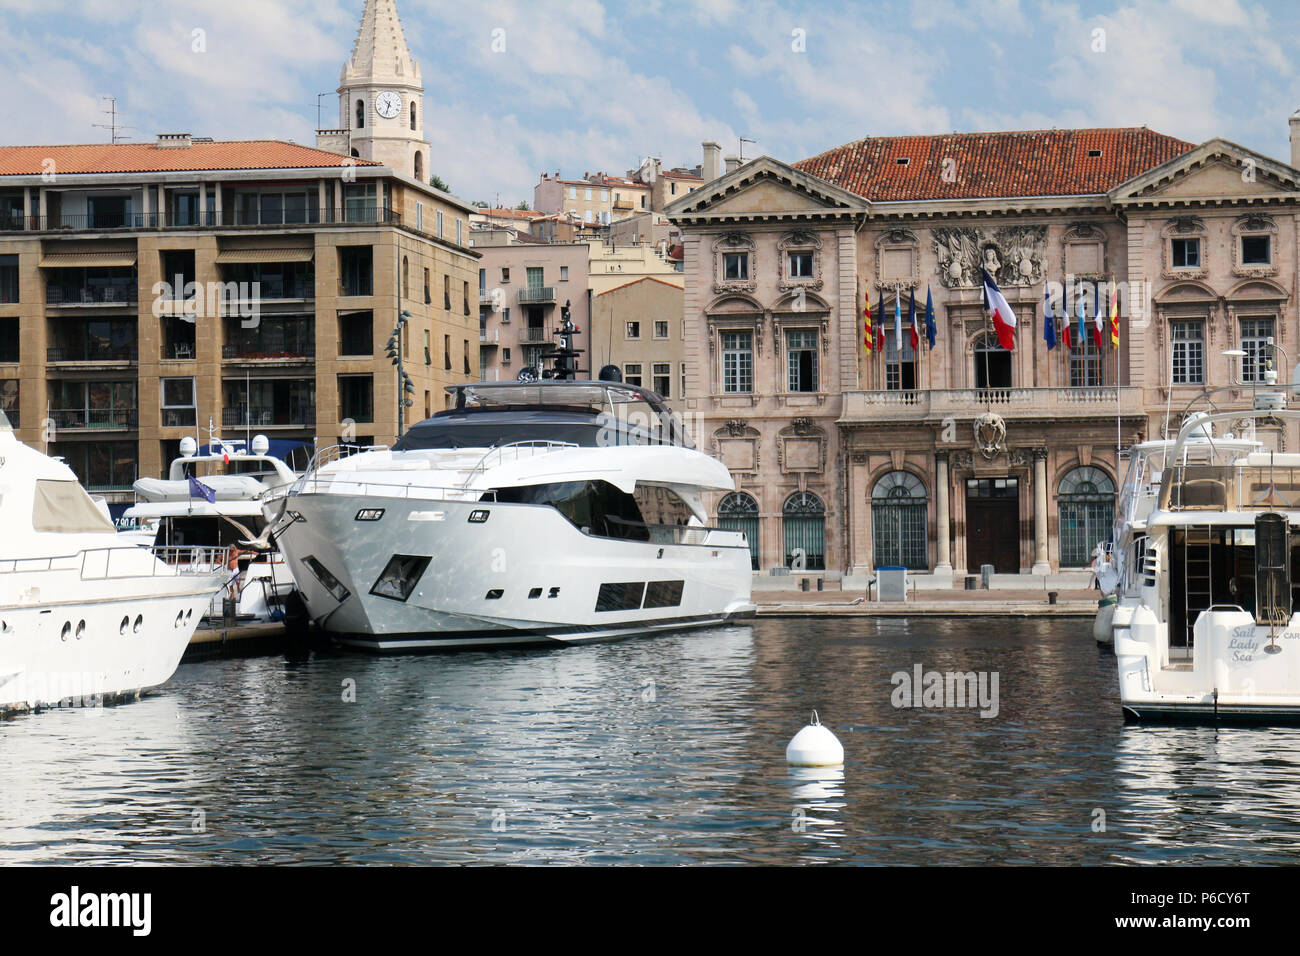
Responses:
[930,329]
[199,490]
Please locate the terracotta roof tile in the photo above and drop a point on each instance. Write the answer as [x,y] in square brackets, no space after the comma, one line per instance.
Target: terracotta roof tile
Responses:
[150,158]
[993,165]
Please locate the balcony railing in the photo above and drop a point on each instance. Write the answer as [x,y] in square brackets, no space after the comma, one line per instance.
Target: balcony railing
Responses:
[533,295]
[82,222]
[122,294]
[86,353]
[533,333]
[489,336]
[251,351]
[1032,403]
[177,350]
[261,416]
[107,419]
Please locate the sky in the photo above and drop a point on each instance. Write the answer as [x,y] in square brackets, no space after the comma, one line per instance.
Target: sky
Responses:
[517,87]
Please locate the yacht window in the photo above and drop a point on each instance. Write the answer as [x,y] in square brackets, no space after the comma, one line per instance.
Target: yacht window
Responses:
[594,507]
[65,508]
[660,505]
[400,576]
[622,596]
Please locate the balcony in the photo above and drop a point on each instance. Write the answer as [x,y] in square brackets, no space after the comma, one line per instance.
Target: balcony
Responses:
[537,295]
[261,416]
[95,419]
[257,351]
[485,297]
[91,353]
[363,214]
[118,293]
[533,334]
[489,336]
[623,204]
[1043,404]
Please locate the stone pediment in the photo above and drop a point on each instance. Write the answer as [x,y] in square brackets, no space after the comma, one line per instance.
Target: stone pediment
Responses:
[766,188]
[1217,171]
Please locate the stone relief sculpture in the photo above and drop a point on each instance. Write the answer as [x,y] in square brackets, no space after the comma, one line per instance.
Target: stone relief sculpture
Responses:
[1013,255]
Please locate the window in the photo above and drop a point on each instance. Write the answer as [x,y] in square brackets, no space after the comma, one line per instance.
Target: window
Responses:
[356,333]
[505,273]
[9,337]
[464,296]
[992,362]
[900,367]
[361,114]
[360,203]
[98,465]
[1188,339]
[661,328]
[1086,511]
[632,373]
[1255,335]
[446,292]
[587,191]
[1185,253]
[898,521]
[419,166]
[428,347]
[737,362]
[412,114]
[801,360]
[1085,358]
[406,277]
[1255,251]
[634,330]
[739,512]
[178,405]
[663,374]
[735,265]
[8,279]
[356,270]
[573,192]
[643,198]
[356,398]
[674,188]
[9,400]
[460,232]
[505,316]
[801,265]
[564,273]
[803,523]
[505,356]
[438,223]
[419,215]
[604,195]
[465,354]
[534,275]
[428,296]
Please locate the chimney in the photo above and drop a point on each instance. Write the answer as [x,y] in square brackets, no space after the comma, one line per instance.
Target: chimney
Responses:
[1295,139]
[174,141]
[733,163]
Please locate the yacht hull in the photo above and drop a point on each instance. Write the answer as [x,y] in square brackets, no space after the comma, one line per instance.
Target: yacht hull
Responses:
[91,650]
[496,574]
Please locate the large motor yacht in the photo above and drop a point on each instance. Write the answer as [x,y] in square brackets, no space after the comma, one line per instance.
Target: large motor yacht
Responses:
[1213,633]
[550,511]
[221,508]
[85,615]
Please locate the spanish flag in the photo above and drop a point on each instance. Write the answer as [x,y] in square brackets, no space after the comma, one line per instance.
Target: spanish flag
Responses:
[868,334]
[1114,315]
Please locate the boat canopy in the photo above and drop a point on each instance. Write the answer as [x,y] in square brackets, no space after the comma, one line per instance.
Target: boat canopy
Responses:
[623,466]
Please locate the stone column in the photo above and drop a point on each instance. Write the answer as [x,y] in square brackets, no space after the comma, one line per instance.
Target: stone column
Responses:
[27,207]
[943,564]
[203,203]
[217,201]
[1041,565]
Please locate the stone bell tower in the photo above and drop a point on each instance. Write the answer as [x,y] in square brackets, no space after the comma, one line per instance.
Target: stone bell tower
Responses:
[381,98]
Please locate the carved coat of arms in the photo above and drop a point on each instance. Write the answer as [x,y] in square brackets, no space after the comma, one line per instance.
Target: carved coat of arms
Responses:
[990,433]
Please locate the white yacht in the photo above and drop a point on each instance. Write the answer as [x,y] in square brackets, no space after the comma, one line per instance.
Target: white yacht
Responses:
[84,614]
[234,475]
[551,511]
[1213,633]
[1118,564]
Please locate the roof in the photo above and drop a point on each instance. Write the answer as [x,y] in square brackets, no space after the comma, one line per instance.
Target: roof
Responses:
[675,175]
[503,213]
[103,158]
[635,281]
[993,165]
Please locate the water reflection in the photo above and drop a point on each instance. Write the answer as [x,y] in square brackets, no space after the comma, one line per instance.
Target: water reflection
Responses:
[661,751]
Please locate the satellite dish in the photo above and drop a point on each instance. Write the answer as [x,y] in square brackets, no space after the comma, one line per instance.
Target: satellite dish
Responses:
[189,446]
[260,445]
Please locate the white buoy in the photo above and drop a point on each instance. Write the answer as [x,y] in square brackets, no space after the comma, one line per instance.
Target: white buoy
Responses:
[814,746]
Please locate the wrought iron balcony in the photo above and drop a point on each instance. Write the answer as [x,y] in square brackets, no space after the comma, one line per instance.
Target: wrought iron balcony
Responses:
[362,214]
[81,352]
[537,295]
[121,293]
[106,419]
[533,333]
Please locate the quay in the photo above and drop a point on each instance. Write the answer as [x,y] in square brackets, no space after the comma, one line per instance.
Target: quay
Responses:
[251,637]
[1059,595]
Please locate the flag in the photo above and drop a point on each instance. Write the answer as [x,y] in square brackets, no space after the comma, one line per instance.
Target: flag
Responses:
[1096,316]
[1082,310]
[868,341]
[898,323]
[199,490]
[929,318]
[999,309]
[911,319]
[1114,315]
[1049,322]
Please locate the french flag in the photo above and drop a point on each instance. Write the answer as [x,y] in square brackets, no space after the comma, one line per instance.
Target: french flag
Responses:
[1004,319]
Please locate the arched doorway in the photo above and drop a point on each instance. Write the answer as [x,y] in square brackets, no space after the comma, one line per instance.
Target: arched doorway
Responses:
[1085,504]
[803,523]
[898,522]
[739,512]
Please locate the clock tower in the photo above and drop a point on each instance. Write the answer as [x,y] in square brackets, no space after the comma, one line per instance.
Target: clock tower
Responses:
[381,98]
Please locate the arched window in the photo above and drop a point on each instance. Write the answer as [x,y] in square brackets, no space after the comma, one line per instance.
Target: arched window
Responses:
[803,520]
[361,114]
[739,512]
[898,521]
[1086,511]
[992,363]
[412,114]
[419,166]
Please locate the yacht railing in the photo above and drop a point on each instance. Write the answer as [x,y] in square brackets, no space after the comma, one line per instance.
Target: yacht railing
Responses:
[327,455]
[343,485]
[1233,488]
[667,533]
[122,561]
[513,451]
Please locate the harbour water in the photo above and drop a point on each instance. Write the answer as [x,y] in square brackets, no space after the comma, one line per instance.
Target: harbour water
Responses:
[667,750]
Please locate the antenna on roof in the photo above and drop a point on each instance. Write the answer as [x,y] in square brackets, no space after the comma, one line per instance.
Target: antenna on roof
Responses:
[112,125]
[743,141]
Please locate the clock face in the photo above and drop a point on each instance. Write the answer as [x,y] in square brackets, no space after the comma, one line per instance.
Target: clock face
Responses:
[388,104]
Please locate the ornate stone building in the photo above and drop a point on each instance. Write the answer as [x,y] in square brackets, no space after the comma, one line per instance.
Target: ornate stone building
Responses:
[949,457]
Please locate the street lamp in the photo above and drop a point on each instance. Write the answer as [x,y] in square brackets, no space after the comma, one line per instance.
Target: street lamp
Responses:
[393,349]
